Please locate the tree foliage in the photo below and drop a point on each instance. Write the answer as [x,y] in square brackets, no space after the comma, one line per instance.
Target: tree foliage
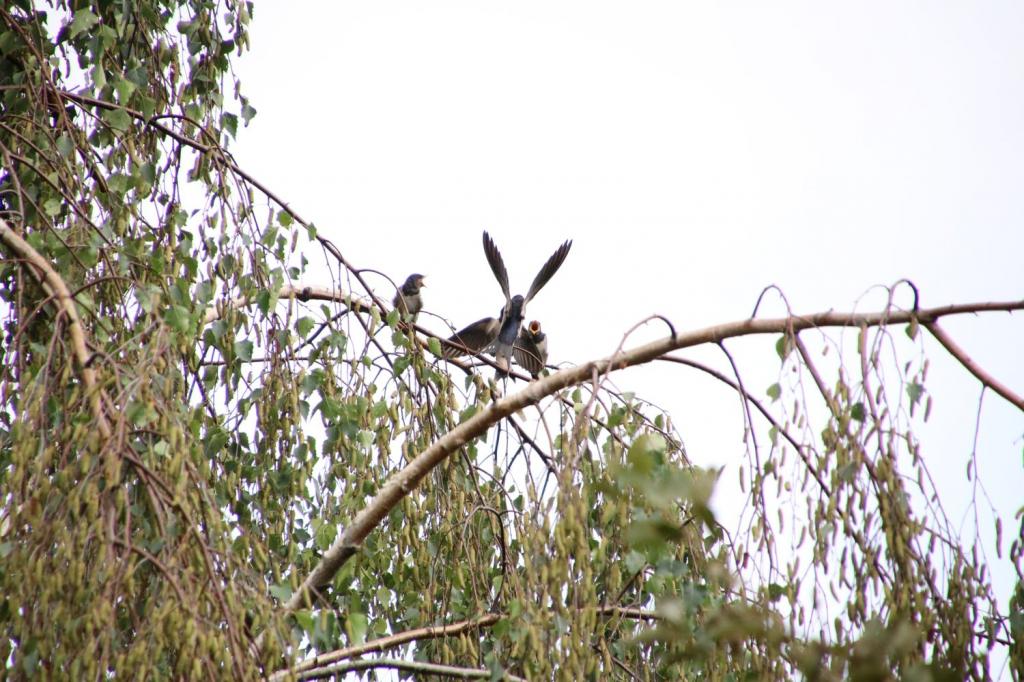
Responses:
[213,468]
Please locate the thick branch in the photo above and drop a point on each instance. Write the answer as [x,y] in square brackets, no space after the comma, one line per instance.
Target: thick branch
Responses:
[55,287]
[431,632]
[301,293]
[403,482]
[399,664]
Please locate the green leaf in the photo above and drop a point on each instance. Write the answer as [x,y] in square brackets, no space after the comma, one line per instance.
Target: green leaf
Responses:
[215,440]
[848,472]
[118,119]
[139,413]
[652,533]
[915,390]
[65,146]
[99,76]
[230,123]
[434,346]
[177,318]
[269,236]
[857,411]
[325,535]
[51,206]
[774,391]
[305,620]
[304,325]
[243,350]
[247,112]
[783,347]
[355,627]
[124,88]
[501,628]
[402,363]
[83,21]
[281,591]
[646,452]
[263,301]
[147,172]
[634,562]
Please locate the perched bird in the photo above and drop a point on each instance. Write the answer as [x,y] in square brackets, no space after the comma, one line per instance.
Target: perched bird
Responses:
[407,299]
[531,349]
[500,335]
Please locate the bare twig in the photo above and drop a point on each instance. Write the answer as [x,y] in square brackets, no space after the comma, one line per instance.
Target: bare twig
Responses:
[800,449]
[971,366]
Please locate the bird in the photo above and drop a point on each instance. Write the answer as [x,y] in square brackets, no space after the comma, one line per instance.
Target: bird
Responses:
[500,334]
[408,300]
[531,349]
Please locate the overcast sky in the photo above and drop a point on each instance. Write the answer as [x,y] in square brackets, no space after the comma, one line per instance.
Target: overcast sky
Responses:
[694,152]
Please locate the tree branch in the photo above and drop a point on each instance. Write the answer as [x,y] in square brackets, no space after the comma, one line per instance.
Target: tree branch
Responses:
[800,450]
[402,482]
[430,632]
[289,291]
[55,287]
[971,366]
[399,664]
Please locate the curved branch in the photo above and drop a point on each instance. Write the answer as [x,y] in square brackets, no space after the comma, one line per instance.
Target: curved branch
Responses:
[55,287]
[800,449]
[402,482]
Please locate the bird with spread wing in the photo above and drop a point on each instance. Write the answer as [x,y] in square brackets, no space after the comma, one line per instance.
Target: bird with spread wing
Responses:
[502,335]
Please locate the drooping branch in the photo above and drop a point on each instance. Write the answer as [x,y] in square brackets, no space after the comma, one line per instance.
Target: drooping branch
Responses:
[404,481]
[800,450]
[971,366]
[53,284]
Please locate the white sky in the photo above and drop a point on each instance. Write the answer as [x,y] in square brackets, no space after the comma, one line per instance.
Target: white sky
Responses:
[695,152]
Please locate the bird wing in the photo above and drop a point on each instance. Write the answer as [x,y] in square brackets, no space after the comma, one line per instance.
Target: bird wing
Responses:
[398,300]
[473,339]
[549,269]
[497,264]
[527,354]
